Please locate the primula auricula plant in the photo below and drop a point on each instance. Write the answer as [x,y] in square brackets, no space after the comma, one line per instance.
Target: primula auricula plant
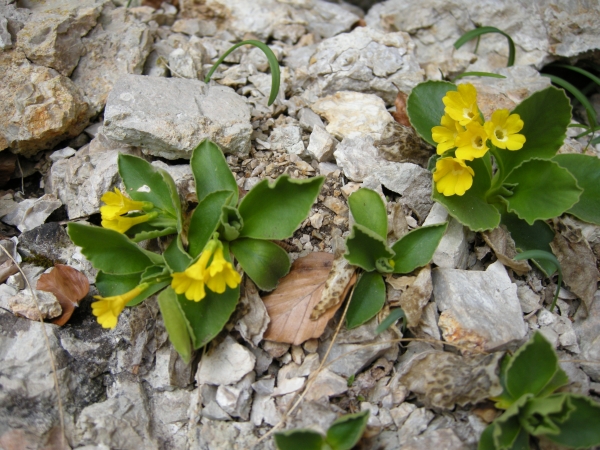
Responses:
[504,168]
[198,284]
[367,248]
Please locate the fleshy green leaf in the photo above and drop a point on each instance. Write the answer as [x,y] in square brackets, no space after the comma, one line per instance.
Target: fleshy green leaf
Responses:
[508,434]
[264,262]
[546,115]
[145,182]
[367,300]
[586,169]
[231,223]
[369,211]
[175,323]
[580,429]
[138,235]
[415,249]
[211,172]
[544,415]
[425,107]
[205,220]
[110,284]
[345,432]
[176,257]
[109,250]
[532,367]
[530,237]
[545,190]
[208,316]
[391,318]
[299,440]
[486,441]
[472,209]
[366,248]
[274,210]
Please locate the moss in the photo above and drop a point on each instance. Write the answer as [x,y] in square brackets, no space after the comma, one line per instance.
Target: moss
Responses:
[40,261]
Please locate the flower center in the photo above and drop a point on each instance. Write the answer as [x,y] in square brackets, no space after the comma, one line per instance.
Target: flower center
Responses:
[499,134]
[468,113]
[477,142]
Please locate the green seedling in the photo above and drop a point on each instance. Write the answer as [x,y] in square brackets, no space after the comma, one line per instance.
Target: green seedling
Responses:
[197,285]
[367,248]
[530,379]
[343,434]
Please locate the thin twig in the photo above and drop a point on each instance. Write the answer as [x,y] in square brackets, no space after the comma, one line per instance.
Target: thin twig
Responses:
[47,341]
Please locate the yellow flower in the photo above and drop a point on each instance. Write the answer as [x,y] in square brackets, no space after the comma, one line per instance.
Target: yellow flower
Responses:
[107,309]
[503,130]
[117,204]
[461,105]
[452,176]
[124,223]
[221,273]
[445,135]
[471,143]
[216,276]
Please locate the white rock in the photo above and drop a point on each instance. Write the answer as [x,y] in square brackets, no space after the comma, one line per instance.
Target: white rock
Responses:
[453,250]
[321,144]
[264,410]
[415,424]
[25,305]
[227,364]
[308,119]
[236,400]
[327,384]
[31,213]
[288,139]
[169,117]
[478,309]
[182,65]
[64,153]
[530,301]
[353,114]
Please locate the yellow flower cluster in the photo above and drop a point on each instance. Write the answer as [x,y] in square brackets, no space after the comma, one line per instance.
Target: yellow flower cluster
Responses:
[117,206]
[462,128]
[107,309]
[216,275]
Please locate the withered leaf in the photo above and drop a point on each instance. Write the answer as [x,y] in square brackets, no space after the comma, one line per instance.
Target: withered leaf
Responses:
[336,285]
[68,285]
[502,244]
[400,115]
[290,305]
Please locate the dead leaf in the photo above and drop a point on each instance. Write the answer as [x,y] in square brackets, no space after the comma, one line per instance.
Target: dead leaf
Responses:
[335,287]
[415,295]
[502,244]
[290,305]
[68,285]
[400,114]
[577,261]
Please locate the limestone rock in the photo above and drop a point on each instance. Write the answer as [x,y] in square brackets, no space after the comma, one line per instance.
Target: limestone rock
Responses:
[478,309]
[288,139]
[353,114]
[227,364]
[23,304]
[169,117]
[453,250]
[117,46]
[31,213]
[39,106]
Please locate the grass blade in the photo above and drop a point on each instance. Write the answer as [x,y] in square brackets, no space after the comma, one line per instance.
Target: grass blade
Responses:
[394,315]
[485,30]
[591,113]
[479,74]
[273,64]
[584,72]
[549,257]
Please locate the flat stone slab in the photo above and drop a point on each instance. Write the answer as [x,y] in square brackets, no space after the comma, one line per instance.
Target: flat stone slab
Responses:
[169,117]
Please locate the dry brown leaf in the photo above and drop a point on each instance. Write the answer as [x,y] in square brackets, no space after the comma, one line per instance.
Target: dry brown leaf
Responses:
[502,244]
[336,285]
[416,292]
[68,285]
[400,114]
[290,305]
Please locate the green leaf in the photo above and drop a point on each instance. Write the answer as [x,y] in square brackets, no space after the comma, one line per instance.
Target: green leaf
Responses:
[345,432]
[586,169]
[415,249]
[508,434]
[110,285]
[230,224]
[589,109]
[546,115]
[369,211]
[138,234]
[486,441]
[109,250]
[365,248]
[145,182]
[425,107]
[472,209]
[544,190]
[530,237]
[367,300]
[205,220]
[485,30]
[478,74]
[176,257]
[580,429]
[299,440]
[544,415]
[274,210]
[273,65]
[264,262]
[211,172]
[532,367]
[391,319]
[175,323]
[208,316]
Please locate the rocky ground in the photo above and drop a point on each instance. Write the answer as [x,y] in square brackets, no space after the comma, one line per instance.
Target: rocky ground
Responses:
[82,81]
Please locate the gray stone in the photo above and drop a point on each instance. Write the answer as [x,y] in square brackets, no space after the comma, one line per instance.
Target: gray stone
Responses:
[62,154]
[326,384]
[589,340]
[529,300]
[236,400]
[308,119]
[254,323]
[169,117]
[182,65]
[415,424]
[170,418]
[216,435]
[364,60]
[32,213]
[226,364]
[264,410]
[44,304]
[287,139]
[453,250]
[321,144]
[117,46]
[7,266]
[40,107]
[478,309]
[5,37]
